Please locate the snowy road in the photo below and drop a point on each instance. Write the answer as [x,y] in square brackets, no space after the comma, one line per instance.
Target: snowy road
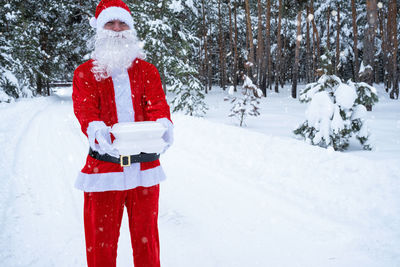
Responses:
[233,197]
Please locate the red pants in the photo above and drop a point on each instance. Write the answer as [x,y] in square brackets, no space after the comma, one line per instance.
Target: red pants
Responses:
[102,216]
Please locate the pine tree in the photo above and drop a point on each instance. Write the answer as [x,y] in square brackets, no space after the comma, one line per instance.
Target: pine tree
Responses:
[336,111]
[44,41]
[166,29]
[247,104]
[49,38]
[9,86]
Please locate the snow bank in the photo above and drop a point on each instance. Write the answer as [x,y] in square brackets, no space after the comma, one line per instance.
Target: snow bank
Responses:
[4,97]
[233,197]
[270,193]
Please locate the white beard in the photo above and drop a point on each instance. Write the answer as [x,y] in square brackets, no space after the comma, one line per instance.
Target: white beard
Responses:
[114,52]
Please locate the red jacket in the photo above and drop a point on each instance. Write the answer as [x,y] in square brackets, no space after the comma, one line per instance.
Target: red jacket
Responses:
[95,101]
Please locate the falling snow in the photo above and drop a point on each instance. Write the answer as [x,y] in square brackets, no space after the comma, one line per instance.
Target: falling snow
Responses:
[234,197]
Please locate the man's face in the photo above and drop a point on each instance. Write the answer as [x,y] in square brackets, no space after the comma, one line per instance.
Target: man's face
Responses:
[116,25]
[115,48]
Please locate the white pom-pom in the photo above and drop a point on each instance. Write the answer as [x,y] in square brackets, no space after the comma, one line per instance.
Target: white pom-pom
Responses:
[93,22]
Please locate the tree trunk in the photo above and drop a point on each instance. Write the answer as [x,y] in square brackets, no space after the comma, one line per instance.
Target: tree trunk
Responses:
[308,47]
[209,65]
[389,54]
[260,49]
[284,60]
[236,51]
[205,43]
[328,36]
[268,58]
[47,87]
[369,41]
[250,39]
[231,69]
[383,31]
[337,60]
[297,54]
[316,41]
[279,48]
[394,93]
[222,54]
[39,84]
[355,36]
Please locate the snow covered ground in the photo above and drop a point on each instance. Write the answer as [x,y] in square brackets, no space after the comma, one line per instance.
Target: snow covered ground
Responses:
[252,196]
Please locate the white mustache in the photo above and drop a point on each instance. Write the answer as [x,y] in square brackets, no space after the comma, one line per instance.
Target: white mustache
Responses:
[113,34]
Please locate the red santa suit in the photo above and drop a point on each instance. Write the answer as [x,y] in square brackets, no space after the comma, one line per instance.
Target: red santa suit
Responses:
[110,102]
[134,94]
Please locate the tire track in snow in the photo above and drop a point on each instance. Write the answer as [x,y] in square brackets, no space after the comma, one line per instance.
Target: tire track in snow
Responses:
[12,132]
[45,161]
[16,119]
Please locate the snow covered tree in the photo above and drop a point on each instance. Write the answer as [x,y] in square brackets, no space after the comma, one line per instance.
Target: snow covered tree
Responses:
[12,84]
[35,42]
[247,105]
[189,96]
[8,85]
[167,31]
[47,38]
[336,112]
[206,42]
[186,85]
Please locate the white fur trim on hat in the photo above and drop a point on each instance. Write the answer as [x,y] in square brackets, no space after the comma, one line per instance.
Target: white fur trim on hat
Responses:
[114,13]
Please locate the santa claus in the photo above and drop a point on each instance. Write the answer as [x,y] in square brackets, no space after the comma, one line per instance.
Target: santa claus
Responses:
[117,86]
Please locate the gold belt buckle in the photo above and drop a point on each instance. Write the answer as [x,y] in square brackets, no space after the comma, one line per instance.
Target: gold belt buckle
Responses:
[122,161]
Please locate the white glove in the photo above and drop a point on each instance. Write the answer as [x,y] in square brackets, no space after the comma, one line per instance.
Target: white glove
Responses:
[97,130]
[168,136]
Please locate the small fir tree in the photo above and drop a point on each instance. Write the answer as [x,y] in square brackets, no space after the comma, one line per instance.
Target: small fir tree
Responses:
[247,105]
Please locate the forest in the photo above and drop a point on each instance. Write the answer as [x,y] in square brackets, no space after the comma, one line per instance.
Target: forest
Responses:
[198,44]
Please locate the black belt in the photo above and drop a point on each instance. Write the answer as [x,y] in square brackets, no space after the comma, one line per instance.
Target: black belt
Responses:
[125,161]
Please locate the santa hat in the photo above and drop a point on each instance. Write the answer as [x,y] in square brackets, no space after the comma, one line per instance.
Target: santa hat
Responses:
[108,10]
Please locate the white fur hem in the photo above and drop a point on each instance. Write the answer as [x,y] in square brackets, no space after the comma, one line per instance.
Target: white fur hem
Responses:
[132,177]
